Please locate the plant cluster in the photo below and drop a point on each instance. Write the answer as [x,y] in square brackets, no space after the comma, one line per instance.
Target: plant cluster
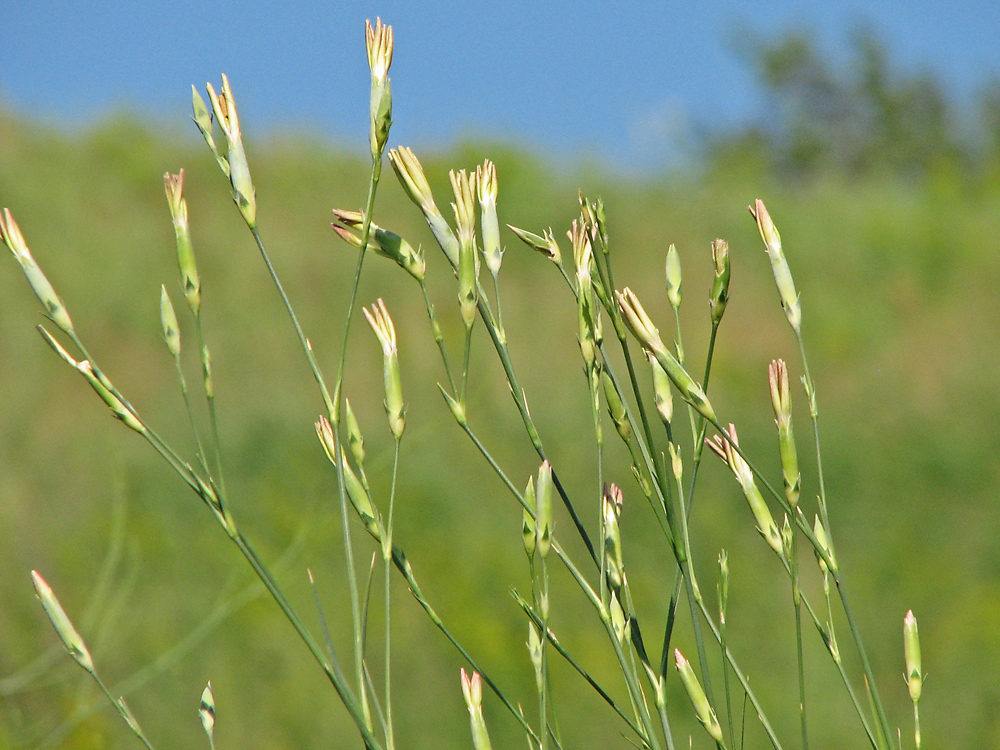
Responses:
[627,366]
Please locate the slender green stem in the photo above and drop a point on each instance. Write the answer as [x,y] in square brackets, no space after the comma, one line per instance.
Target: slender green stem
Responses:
[213,417]
[403,566]
[119,703]
[390,741]
[796,603]
[579,669]
[438,336]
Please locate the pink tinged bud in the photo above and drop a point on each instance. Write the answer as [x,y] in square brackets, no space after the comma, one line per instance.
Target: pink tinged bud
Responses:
[349,225]
[744,476]
[174,188]
[472,691]
[10,232]
[779,266]
[381,323]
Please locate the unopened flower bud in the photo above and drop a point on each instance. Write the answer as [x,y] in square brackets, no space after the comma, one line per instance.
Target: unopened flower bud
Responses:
[11,235]
[702,708]
[720,285]
[779,266]
[545,244]
[64,628]
[673,277]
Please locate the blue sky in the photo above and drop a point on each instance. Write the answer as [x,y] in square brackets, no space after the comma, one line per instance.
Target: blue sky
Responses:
[626,83]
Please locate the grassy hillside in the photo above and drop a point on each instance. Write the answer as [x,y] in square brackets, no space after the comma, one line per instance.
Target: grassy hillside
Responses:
[898,284]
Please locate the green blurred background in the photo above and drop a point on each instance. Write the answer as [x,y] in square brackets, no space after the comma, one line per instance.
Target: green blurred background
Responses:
[889,216]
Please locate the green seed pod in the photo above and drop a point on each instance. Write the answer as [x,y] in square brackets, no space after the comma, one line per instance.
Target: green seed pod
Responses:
[535,654]
[350,224]
[468,258]
[619,623]
[744,476]
[244,194]
[662,395]
[781,400]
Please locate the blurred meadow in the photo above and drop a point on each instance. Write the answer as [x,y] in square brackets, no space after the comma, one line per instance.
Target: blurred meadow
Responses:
[890,215]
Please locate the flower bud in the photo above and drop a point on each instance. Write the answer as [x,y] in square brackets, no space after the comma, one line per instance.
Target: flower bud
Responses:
[744,476]
[244,194]
[781,400]
[613,565]
[381,323]
[673,277]
[472,690]
[206,710]
[355,440]
[779,266]
[545,244]
[720,285]
[543,508]
[468,258]
[378,41]
[173,185]
[702,708]
[911,650]
[349,225]
[486,182]
[414,181]
[824,542]
[10,232]
[616,408]
[64,628]
[644,330]
[168,321]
